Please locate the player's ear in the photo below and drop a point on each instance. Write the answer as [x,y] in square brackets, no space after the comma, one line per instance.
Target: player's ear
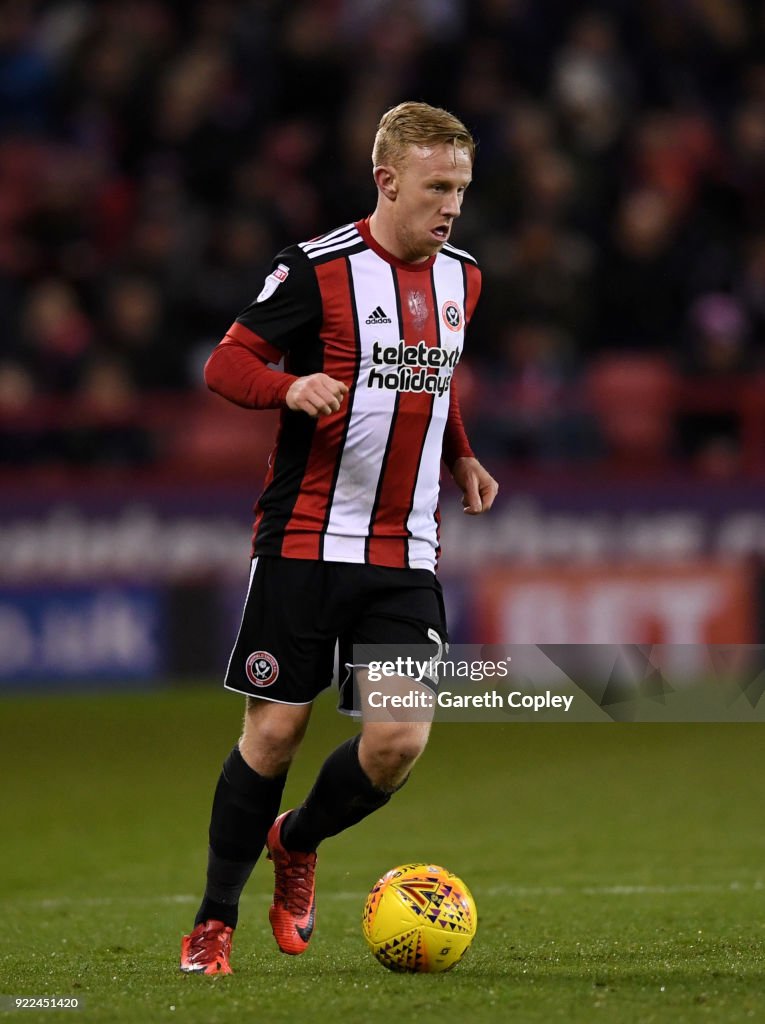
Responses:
[386,180]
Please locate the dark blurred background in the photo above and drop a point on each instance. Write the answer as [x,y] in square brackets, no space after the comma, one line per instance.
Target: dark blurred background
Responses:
[154,156]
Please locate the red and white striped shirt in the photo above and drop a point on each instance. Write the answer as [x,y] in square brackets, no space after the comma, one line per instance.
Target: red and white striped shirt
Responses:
[362,484]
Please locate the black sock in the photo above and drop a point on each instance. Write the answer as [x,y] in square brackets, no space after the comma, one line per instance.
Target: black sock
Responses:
[244,808]
[341,796]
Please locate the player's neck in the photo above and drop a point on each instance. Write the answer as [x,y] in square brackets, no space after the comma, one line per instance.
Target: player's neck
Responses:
[383,230]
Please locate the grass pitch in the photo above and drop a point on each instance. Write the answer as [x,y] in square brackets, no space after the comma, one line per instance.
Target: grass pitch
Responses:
[619,871]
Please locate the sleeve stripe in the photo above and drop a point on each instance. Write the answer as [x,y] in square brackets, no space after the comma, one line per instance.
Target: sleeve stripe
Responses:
[334,246]
[334,236]
[454,251]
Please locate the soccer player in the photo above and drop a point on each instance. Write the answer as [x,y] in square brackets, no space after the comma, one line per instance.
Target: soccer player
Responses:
[370,320]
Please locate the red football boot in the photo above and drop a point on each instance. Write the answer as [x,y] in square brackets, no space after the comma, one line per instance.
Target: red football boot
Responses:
[207,949]
[293,911]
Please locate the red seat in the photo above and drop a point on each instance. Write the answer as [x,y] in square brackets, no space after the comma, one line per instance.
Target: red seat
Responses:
[633,398]
[215,435]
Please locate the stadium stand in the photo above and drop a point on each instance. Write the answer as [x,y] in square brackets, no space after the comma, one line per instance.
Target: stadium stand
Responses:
[154,156]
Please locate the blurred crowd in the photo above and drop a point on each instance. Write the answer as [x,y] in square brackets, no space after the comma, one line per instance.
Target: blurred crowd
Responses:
[154,156]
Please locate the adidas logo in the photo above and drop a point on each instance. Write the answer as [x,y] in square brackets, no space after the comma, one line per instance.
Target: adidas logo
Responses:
[377,316]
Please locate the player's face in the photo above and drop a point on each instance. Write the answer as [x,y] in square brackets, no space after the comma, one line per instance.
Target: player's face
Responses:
[431,186]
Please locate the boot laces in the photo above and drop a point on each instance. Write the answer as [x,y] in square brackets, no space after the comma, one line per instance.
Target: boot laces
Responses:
[294,882]
[208,939]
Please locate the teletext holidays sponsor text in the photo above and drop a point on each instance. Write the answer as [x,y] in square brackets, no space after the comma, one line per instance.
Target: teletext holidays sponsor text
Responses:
[411,367]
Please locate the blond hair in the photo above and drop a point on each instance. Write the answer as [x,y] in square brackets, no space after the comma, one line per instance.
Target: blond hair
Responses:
[417,124]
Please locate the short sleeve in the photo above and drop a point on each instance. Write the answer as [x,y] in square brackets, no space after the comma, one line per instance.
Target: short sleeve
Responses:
[288,310]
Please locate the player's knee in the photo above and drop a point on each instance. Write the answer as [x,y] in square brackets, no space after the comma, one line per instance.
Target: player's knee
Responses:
[391,751]
[408,746]
[271,736]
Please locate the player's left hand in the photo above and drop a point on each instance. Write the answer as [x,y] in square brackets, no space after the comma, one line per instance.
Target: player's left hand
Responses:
[478,486]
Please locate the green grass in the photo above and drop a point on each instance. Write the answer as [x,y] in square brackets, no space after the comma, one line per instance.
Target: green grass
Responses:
[619,871]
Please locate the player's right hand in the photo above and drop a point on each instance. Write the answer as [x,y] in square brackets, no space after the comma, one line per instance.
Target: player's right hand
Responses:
[316,395]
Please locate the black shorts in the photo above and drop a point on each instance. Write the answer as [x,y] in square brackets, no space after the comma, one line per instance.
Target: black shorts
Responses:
[298,610]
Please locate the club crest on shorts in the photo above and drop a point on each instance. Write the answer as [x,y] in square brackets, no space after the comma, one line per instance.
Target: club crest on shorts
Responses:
[262,668]
[452,315]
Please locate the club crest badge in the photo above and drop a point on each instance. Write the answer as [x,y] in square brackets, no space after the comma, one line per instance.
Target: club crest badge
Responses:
[452,315]
[262,669]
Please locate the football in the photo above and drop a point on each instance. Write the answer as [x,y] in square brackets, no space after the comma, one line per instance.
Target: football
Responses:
[419,918]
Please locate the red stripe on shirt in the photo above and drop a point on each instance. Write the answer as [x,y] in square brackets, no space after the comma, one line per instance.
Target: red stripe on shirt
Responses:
[388,530]
[473,289]
[303,532]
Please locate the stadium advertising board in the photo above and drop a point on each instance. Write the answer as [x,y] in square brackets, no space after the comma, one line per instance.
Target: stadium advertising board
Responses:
[697,603]
[186,530]
[56,635]
[670,562]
